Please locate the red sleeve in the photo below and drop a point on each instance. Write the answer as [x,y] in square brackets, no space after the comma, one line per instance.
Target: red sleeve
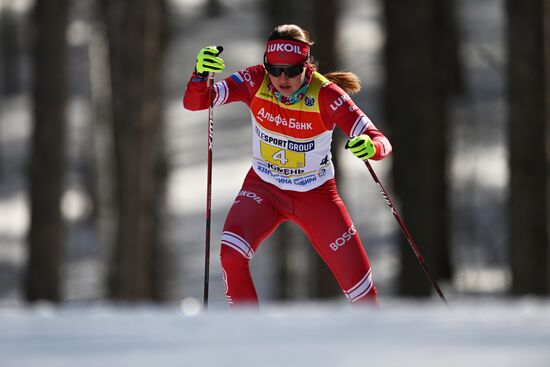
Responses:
[240,86]
[337,108]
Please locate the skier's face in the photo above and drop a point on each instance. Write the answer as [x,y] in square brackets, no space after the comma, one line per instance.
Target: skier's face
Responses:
[286,85]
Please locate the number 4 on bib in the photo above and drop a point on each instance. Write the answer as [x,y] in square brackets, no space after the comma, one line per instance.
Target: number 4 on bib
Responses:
[280,156]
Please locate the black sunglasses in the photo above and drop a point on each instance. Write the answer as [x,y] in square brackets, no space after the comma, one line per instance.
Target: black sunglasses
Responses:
[291,71]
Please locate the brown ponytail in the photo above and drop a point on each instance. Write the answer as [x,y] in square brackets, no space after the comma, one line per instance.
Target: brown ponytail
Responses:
[346,80]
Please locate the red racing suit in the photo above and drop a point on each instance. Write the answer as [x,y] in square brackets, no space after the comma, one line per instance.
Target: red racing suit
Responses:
[292,178]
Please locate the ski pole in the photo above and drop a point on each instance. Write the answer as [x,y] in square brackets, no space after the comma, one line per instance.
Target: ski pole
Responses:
[406,232]
[208,188]
[210,137]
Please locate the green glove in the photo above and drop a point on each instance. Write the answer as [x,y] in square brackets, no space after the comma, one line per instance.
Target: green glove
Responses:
[362,147]
[208,60]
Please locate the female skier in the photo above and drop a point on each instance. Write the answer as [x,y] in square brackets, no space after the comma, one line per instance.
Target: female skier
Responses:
[294,112]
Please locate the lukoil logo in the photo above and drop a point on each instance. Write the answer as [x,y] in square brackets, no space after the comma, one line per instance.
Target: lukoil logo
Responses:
[343,239]
[338,102]
[225,284]
[284,47]
[251,195]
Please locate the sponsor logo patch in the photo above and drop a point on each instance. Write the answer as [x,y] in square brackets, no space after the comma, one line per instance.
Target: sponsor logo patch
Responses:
[242,76]
[339,101]
[309,101]
[251,195]
[284,47]
[279,120]
[343,239]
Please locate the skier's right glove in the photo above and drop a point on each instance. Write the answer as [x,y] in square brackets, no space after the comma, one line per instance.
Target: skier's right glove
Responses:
[208,60]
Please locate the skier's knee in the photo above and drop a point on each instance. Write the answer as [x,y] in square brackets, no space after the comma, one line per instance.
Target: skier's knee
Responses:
[235,250]
[232,259]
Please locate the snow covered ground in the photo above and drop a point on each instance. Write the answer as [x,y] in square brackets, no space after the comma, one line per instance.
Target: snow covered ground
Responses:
[470,333]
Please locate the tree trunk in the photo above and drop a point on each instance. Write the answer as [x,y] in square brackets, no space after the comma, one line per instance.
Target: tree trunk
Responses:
[9,52]
[416,98]
[449,83]
[288,12]
[135,33]
[48,154]
[103,187]
[213,8]
[526,138]
[546,41]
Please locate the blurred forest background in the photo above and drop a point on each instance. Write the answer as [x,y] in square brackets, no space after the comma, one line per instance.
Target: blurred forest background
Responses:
[103,173]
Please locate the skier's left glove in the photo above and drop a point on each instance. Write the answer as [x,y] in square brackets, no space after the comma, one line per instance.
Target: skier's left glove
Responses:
[362,147]
[208,60]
